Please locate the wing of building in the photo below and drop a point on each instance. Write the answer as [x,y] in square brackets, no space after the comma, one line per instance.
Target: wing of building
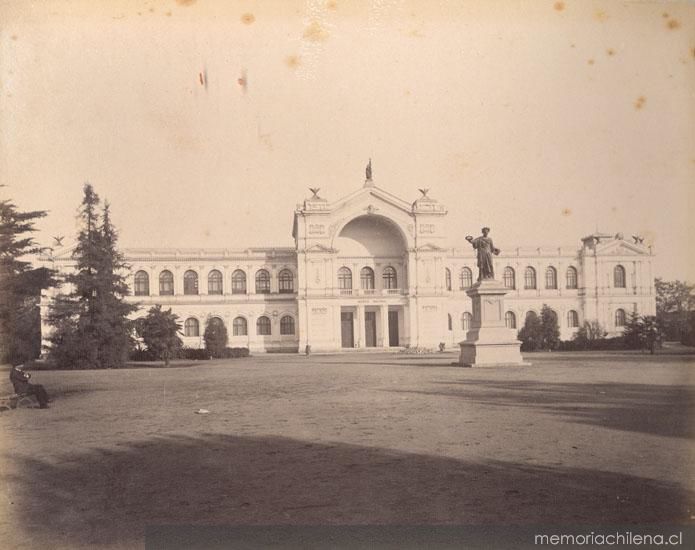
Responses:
[373,271]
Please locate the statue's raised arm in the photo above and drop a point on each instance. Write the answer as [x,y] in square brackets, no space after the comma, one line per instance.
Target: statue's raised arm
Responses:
[485,248]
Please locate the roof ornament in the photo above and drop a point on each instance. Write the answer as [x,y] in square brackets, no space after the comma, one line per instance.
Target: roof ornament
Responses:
[638,239]
[58,241]
[368,170]
[424,192]
[315,192]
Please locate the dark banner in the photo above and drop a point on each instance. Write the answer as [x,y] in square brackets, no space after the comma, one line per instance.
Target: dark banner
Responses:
[406,537]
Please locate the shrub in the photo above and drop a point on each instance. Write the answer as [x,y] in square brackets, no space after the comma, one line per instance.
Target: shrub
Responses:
[215,337]
[233,353]
[159,330]
[531,335]
[143,355]
[602,344]
[195,354]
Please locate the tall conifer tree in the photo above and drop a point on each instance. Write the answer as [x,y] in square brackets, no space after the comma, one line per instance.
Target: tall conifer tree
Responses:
[20,285]
[92,329]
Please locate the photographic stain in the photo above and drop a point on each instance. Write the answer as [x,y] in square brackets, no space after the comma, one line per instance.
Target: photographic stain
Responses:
[248,18]
[640,102]
[610,51]
[185,2]
[292,61]
[566,212]
[559,6]
[590,62]
[315,32]
[673,24]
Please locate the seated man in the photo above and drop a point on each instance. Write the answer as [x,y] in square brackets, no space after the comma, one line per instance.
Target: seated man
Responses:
[20,381]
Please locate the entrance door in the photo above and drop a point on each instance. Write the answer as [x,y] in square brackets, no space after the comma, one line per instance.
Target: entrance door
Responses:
[347,333]
[393,328]
[370,329]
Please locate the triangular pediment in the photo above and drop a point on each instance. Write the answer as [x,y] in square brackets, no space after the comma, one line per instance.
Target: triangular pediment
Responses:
[620,247]
[60,253]
[371,200]
[321,249]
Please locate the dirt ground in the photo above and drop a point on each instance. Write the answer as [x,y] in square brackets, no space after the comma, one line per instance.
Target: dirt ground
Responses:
[381,438]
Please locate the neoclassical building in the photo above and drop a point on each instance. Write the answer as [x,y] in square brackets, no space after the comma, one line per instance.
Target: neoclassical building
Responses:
[372,270]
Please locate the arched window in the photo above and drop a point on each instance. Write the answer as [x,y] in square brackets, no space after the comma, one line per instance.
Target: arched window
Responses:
[510,319]
[287,325]
[263,326]
[238,282]
[530,278]
[465,278]
[239,327]
[286,282]
[449,324]
[166,283]
[214,282]
[509,278]
[619,276]
[142,284]
[215,322]
[466,319]
[619,317]
[572,319]
[262,282]
[550,277]
[345,278]
[571,277]
[367,278]
[190,282]
[389,278]
[191,327]
[447,278]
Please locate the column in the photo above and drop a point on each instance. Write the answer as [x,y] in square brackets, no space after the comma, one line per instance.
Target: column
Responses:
[384,327]
[360,336]
[302,326]
[337,336]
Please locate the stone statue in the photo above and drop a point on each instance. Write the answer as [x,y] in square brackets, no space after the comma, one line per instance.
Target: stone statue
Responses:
[368,171]
[485,250]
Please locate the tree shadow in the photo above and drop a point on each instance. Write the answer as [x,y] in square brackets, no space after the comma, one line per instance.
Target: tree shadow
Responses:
[653,409]
[109,496]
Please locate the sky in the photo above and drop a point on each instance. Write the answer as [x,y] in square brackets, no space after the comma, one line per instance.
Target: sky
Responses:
[205,122]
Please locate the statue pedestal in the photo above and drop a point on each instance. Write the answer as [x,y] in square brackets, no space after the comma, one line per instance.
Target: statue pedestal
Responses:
[489,343]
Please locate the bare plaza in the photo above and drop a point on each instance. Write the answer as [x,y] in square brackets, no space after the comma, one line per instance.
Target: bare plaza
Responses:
[362,438]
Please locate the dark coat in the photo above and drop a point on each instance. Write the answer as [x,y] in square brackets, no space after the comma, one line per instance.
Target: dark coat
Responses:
[20,380]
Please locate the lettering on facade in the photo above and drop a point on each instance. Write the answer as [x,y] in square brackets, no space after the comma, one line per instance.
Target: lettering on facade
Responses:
[316,229]
[319,310]
[429,308]
[427,228]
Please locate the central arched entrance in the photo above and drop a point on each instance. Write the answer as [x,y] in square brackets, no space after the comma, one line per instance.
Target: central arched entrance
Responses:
[372,273]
